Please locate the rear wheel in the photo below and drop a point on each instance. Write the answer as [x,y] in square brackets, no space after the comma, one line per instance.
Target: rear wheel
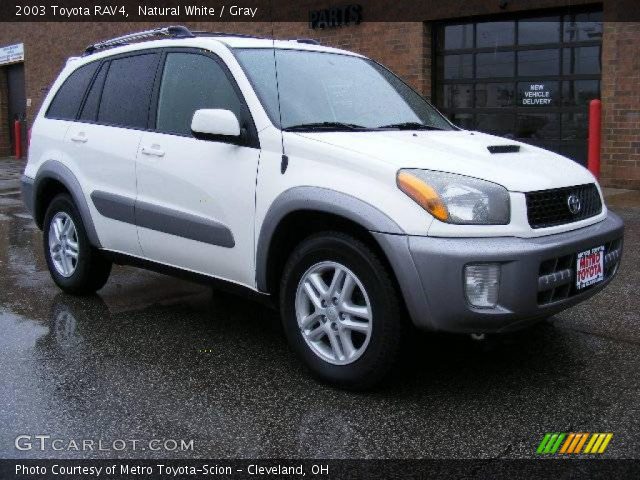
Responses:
[75,266]
[340,310]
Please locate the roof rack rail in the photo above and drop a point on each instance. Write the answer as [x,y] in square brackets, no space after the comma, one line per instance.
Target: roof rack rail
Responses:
[309,41]
[176,31]
[202,33]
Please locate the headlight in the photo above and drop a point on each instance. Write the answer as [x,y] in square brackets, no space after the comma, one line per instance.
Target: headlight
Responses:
[456,198]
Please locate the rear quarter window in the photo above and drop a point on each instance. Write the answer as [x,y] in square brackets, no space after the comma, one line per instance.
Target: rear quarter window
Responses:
[67,100]
[92,103]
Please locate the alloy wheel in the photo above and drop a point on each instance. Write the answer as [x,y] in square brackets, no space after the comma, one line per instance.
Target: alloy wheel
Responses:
[63,244]
[334,313]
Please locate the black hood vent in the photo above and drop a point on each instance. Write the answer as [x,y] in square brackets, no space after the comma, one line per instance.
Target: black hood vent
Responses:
[503,148]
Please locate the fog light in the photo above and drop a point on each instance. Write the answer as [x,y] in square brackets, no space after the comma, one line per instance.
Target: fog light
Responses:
[481,284]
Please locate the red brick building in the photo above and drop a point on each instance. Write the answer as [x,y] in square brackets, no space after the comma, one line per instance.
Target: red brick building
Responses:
[523,69]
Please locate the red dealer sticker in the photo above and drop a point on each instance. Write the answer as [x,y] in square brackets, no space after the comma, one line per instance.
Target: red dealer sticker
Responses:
[590,267]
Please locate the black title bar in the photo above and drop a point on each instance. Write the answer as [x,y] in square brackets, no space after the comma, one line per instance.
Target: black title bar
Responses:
[318,469]
[318,13]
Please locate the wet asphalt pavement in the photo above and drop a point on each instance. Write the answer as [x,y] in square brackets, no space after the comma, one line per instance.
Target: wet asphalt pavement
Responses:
[153,357]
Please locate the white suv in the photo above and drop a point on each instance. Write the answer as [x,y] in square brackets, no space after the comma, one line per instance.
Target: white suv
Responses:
[313,177]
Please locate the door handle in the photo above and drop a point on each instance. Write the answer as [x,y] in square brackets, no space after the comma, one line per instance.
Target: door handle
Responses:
[153,151]
[79,138]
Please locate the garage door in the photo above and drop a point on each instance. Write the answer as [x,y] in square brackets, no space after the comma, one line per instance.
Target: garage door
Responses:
[528,78]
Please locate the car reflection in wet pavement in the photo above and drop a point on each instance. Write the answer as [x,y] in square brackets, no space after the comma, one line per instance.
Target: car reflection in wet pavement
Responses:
[152,357]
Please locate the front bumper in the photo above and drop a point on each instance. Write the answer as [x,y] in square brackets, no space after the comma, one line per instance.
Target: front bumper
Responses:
[537,275]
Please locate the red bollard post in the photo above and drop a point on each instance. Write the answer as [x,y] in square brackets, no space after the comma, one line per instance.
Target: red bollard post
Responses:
[17,138]
[595,130]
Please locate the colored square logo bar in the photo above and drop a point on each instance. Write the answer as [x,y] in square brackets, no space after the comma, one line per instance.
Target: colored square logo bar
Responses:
[574,443]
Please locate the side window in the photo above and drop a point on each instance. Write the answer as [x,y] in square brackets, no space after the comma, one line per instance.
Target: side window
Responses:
[190,82]
[126,95]
[91,104]
[67,100]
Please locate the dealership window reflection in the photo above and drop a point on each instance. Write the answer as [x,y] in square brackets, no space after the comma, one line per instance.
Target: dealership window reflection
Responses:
[528,78]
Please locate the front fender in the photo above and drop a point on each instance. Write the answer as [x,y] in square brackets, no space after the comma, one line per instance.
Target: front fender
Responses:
[320,200]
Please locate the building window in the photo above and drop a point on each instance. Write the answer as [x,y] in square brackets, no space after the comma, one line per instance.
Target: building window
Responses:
[527,78]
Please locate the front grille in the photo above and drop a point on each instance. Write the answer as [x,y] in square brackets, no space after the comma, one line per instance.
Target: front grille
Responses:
[547,208]
[557,276]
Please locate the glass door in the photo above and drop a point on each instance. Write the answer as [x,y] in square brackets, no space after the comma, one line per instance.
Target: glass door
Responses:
[526,78]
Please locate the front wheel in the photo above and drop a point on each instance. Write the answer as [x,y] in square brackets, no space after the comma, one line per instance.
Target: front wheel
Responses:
[75,266]
[340,310]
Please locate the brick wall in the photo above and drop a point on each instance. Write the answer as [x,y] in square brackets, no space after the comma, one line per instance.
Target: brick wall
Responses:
[620,156]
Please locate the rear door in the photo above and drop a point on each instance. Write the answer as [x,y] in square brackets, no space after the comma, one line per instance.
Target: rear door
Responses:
[104,142]
[49,136]
[196,198]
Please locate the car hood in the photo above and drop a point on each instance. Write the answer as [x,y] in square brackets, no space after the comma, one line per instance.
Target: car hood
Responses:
[465,153]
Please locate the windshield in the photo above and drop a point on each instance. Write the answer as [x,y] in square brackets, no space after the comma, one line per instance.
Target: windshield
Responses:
[332,91]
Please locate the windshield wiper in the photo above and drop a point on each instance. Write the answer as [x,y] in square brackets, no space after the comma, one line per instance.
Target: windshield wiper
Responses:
[323,126]
[410,126]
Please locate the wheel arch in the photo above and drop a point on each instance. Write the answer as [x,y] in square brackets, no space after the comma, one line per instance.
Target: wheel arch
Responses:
[53,178]
[301,211]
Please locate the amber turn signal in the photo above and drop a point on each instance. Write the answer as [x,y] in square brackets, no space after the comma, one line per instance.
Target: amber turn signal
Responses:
[423,195]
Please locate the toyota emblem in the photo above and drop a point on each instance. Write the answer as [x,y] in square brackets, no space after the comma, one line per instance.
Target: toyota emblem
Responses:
[573,202]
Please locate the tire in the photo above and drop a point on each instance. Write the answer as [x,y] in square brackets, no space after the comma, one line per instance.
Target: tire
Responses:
[367,357]
[89,271]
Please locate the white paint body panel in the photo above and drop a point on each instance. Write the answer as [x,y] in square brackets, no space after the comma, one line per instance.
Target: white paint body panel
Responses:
[208,179]
[460,152]
[236,186]
[105,162]
[215,122]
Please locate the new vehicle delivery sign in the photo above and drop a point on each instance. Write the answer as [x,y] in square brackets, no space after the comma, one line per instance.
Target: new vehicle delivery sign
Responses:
[536,94]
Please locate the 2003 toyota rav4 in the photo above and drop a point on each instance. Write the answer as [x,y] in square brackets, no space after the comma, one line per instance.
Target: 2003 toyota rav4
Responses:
[314,176]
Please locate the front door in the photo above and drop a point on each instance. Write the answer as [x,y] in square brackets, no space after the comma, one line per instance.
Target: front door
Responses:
[196,198]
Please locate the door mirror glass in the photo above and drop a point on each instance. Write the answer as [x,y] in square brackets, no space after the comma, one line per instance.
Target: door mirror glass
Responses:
[215,124]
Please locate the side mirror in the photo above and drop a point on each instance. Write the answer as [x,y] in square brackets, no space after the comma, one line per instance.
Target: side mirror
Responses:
[217,125]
